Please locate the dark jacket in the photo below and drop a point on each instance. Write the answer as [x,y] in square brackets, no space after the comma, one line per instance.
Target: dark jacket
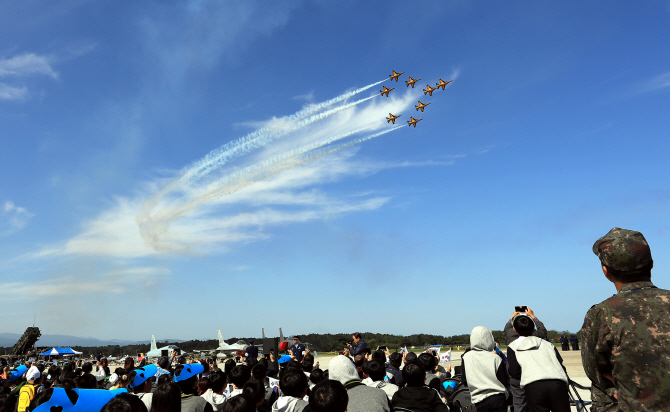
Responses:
[358,349]
[397,375]
[418,399]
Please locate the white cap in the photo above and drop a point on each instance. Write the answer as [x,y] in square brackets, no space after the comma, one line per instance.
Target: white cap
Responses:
[33,373]
[113,378]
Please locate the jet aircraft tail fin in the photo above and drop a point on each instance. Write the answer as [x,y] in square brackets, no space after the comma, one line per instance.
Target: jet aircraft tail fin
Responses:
[281,336]
[153,343]
[263,332]
[221,342]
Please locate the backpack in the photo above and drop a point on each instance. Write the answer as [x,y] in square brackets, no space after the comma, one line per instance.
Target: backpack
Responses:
[23,401]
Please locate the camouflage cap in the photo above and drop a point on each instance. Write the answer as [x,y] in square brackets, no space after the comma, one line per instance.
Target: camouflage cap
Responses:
[623,249]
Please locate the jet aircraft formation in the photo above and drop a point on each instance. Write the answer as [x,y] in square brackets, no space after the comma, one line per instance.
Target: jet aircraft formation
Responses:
[421,106]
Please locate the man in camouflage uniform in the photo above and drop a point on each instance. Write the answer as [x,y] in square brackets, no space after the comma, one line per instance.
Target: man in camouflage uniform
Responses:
[626,338]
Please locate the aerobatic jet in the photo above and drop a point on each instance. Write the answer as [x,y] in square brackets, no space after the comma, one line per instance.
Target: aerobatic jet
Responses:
[421,106]
[442,83]
[411,81]
[392,118]
[386,91]
[395,75]
[429,90]
[413,121]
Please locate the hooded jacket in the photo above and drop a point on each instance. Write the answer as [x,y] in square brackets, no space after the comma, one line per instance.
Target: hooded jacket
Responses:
[288,404]
[418,399]
[486,375]
[388,388]
[362,398]
[532,359]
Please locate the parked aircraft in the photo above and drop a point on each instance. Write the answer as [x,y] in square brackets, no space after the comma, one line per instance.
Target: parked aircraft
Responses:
[225,350]
[386,91]
[395,75]
[421,106]
[392,118]
[442,83]
[413,121]
[155,352]
[429,90]
[411,81]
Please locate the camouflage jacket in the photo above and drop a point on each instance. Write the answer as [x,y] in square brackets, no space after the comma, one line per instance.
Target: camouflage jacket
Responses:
[627,338]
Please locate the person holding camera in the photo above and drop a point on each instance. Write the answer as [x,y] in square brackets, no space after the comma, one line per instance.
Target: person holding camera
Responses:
[358,347]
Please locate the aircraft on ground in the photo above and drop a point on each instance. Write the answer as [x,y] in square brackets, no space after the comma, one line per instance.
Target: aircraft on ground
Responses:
[225,350]
[413,121]
[421,106]
[429,90]
[395,75]
[155,352]
[386,91]
[442,83]
[411,81]
[392,118]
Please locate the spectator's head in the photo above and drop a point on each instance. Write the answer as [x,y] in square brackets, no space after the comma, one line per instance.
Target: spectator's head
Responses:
[379,355]
[228,367]
[413,375]
[166,398]
[164,378]
[317,376]
[523,325]
[356,337]
[375,370]
[328,396]
[182,359]
[396,360]
[481,339]
[428,361]
[294,383]
[129,364]
[625,256]
[33,374]
[7,402]
[217,381]
[410,358]
[343,370]
[163,362]
[240,375]
[255,391]
[186,377]
[86,381]
[203,385]
[125,402]
[307,365]
[239,403]
[87,368]
[258,372]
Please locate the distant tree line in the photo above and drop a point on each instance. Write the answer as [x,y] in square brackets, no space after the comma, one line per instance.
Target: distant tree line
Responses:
[320,342]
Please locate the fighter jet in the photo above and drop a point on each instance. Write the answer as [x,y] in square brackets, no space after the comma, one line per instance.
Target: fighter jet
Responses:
[421,106]
[442,84]
[429,90]
[225,350]
[395,75]
[155,352]
[386,91]
[392,118]
[411,81]
[413,121]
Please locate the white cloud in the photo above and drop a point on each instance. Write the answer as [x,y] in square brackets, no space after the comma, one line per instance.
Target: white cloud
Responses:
[116,282]
[27,64]
[13,218]
[8,92]
[656,83]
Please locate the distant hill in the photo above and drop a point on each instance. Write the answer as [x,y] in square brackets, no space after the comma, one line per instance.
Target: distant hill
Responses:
[9,339]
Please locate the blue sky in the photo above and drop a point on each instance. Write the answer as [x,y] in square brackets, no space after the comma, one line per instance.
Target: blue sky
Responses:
[554,130]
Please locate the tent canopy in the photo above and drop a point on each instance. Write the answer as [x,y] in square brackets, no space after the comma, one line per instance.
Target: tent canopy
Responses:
[61,351]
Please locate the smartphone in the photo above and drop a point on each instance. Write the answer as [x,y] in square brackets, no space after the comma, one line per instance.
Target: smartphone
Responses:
[520,308]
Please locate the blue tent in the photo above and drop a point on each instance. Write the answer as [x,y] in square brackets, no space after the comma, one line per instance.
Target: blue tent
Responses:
[60,351]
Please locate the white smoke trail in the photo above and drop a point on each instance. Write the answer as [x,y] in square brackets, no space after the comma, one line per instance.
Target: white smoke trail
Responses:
[237,147]
[245,144]
[251,175]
